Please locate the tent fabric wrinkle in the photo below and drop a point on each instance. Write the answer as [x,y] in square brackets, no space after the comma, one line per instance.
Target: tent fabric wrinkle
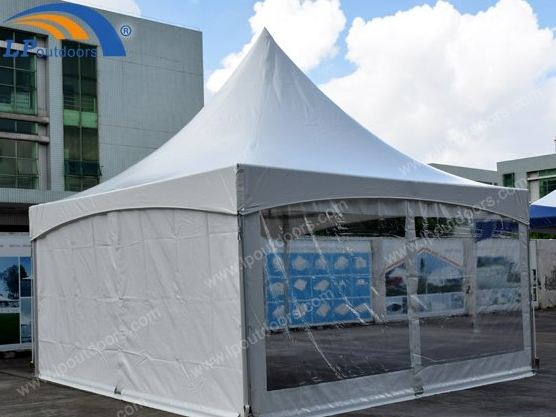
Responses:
[268,114]
[274,256]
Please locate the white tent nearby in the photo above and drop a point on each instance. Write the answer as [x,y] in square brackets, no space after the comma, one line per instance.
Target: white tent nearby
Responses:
[273,258]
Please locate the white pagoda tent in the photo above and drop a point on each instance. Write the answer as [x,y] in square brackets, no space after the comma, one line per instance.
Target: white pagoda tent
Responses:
[273,258]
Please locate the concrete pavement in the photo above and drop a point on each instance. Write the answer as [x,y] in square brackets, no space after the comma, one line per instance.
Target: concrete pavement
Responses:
[530,397]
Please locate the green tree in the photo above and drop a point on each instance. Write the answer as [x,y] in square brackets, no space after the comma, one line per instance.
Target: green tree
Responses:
[11,278]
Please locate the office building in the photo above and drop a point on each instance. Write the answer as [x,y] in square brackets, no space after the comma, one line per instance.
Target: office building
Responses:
[71,117]
[537,173]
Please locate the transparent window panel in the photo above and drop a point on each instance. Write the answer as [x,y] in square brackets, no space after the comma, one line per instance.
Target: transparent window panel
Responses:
[27,167]
[395,277]
[25,99]
[7,125]
[5,61]
[73,183]
[71,91]
[6,95]
[29,128]
[88,103]
[71,85]
[7,76]
[30,183]
[8,166]
[89,87]
[25,79]
[332,353]
[89,182]
[469,291]
[324,319]
[6,34]
[27,150]
[8,181]
[21,37]
[91,169]
[7,148]
[498,283]
[89,66]
[70,67]
[90,144]
[72,143]
[25,63]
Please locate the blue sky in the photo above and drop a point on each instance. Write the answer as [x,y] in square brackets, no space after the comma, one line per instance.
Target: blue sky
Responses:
[460,82]
[225,23]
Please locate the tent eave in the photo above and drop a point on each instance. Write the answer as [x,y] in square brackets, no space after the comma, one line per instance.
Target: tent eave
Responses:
[213,191]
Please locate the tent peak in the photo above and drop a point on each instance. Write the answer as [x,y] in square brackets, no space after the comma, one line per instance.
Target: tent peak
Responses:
[269,113]
[265,33]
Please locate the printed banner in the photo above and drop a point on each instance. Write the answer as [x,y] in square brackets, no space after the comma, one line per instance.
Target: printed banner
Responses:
[439,269]
[322,283]
[16,292]
[498,276]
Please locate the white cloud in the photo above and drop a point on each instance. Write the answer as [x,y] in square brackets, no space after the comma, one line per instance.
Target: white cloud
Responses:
[452,88]
[307,30]
[128,7]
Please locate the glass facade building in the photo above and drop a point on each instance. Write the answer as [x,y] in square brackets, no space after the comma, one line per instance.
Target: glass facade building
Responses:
[18,98]
[71,121]
[81,153]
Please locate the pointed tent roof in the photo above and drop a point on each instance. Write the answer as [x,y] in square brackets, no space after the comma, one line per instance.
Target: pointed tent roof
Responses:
[270,115]
[543,214]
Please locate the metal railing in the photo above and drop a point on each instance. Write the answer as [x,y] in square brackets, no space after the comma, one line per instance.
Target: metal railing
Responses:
[80,103]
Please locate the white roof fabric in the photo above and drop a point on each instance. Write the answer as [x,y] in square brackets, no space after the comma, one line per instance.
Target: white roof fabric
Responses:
[269,114]
[542,214]
[548,200]
[269,138]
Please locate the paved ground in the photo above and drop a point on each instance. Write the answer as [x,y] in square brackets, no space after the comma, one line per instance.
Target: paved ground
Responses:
[531,397]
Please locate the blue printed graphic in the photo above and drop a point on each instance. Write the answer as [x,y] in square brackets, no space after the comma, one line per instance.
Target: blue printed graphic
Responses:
[327,288]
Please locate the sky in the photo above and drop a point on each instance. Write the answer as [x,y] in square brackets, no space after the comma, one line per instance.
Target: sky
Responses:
[459,82]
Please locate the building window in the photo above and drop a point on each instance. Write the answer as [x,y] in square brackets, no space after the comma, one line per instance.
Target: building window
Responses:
[16,36]
[19,126]
[18,164]
[508,180]
[546,179]
[81,165]
[547,173]
[18,85]
[546,186]
[80,80]
[81,143]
